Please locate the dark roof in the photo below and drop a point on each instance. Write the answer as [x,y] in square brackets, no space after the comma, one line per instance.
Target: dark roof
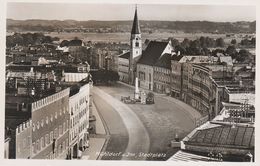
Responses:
[224,136]
[125,55]
[176,57]
[135,27]
[75,43]
[152,52]
[164,61]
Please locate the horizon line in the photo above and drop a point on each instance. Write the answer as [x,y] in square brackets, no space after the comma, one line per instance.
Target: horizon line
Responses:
[128,20]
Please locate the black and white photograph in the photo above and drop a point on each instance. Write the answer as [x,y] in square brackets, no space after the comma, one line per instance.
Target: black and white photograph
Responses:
[129,81]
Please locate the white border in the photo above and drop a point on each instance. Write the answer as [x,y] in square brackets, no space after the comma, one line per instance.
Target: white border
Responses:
[120,163]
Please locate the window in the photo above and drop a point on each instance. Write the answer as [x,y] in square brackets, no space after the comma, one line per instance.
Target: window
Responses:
[51,136]
[34,148]
[51,118]
[38,146]
[136,44]
[56,133]
[33,127]
[38,125]
[64,127]
[47,139]
[24,143]
[60,130]
[47,120]
[42,123]
[42,142]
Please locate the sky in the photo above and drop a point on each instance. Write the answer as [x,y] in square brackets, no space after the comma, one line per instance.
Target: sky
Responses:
[83,12]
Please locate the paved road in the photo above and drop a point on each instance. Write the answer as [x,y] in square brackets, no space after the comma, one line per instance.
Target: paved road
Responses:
[129,137]
[162,120]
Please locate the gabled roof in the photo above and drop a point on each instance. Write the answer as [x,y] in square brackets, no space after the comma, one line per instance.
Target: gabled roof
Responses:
[164,61]
[152,52]
[176,57]
[125,55]
[135,27]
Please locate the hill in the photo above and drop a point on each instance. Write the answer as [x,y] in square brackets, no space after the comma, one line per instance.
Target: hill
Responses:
[125,26]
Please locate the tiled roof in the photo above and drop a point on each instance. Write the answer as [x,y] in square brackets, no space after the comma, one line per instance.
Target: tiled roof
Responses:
[152,53]
[164,61]
[186,156]
[125,55]
[224,136]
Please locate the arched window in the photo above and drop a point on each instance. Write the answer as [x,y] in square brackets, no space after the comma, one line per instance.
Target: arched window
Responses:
[137,44]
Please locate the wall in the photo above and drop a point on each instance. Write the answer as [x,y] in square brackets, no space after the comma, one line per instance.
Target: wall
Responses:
[147,81]
[75,77]
[123,70]
[162,80]
[176,79]
[50,122]
[79,116]
[23,140]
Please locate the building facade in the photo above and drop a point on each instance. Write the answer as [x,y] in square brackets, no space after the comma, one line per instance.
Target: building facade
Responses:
[79,119]
[123,67]
[50,126]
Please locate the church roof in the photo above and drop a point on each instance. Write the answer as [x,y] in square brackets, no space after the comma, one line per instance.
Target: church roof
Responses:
[164,61]
[152,52]
[135,27]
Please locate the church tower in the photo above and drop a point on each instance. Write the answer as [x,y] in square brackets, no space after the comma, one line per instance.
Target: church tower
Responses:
[135,48]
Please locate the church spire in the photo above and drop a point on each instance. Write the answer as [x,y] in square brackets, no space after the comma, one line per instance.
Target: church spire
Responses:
[135,27]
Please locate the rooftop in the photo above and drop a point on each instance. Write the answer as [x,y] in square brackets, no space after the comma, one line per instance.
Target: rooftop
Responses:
[152,52]
[164,61]
[223,135]
[125,55]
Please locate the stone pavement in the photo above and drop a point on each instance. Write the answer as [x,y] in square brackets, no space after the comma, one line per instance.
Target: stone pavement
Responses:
[96,141]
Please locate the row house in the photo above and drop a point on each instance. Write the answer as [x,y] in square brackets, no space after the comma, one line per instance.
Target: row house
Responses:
[148,63]
[162,74]
[123,67]
[79,119]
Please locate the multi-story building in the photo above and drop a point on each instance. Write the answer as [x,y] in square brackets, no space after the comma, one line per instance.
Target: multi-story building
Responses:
[145,65]
[162,74]
[79,118]
[199,88]
[123,67]
[41,125]
[176,77]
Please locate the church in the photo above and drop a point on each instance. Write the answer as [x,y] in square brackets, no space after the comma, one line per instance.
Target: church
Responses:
[139,63]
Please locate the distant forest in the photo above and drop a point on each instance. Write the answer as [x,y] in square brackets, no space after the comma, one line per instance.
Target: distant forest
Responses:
[125,26]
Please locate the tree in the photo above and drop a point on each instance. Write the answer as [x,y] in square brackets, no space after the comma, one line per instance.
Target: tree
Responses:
[175,42]
[231,51]
[220,42]
[185,43]
[243,55]
[233,41]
